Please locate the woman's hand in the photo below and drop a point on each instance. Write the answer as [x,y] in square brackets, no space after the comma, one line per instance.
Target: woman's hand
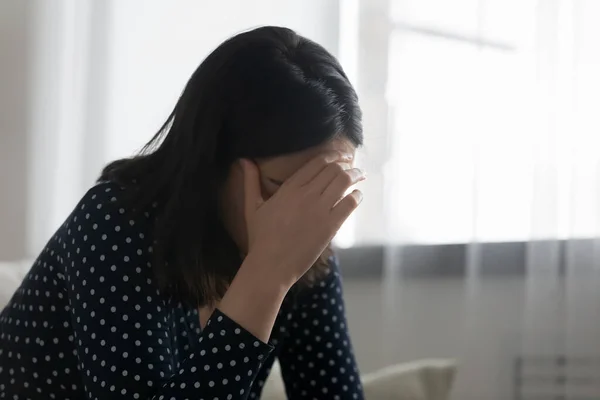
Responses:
[290,230]
[286,234]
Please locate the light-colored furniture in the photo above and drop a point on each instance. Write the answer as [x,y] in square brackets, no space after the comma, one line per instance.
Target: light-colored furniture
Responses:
[419,380]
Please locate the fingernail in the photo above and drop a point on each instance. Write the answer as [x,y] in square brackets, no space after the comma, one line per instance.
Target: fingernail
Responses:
[359,196]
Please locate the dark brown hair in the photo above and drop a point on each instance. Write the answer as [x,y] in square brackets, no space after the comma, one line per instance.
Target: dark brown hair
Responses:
[262,93]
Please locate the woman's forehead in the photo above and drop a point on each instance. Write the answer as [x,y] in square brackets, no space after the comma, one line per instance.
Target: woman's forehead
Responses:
[282,167]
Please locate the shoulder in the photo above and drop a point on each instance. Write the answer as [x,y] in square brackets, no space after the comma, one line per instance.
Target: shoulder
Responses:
[102,195]
[106,203]
[332,275]
[102,236]
[102,217]
[322,297]
[329,281]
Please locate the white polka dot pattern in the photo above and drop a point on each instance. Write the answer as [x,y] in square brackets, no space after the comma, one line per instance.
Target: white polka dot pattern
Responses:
[89,322]
[316,356]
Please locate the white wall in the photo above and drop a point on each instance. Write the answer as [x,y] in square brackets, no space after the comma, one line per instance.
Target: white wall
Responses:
[84,82]
[14,37]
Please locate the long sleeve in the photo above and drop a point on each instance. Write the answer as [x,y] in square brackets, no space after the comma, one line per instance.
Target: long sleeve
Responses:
[316,358]
[122,325]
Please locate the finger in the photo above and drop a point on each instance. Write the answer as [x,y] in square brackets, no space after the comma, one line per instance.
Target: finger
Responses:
[345,207]
[325,177]
[252,191]
[311,169]
[340,184]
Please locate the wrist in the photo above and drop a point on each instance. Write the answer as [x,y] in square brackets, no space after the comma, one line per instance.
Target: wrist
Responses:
[253,299]
[271,274]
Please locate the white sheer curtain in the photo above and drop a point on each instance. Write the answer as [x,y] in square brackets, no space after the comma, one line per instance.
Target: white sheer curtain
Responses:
[492,104]
[482,127]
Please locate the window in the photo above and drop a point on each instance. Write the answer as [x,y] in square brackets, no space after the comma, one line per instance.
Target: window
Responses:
[480,142]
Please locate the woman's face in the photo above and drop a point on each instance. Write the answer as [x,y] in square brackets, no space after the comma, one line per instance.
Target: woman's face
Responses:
[273,172]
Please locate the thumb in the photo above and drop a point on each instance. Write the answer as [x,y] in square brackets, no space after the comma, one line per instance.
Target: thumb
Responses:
[252,192]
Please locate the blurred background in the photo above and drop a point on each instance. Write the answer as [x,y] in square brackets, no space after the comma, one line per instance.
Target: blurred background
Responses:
[478,239]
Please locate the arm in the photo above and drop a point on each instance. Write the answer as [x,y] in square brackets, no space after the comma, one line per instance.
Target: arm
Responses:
[121,323]
[317,359]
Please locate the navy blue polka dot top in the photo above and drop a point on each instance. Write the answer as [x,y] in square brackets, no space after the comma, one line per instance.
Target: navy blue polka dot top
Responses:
[88,322]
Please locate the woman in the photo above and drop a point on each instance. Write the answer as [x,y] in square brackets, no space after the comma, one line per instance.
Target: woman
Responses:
[187,269]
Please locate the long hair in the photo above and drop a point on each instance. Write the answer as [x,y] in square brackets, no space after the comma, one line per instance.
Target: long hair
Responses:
[262,93]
